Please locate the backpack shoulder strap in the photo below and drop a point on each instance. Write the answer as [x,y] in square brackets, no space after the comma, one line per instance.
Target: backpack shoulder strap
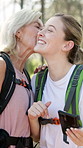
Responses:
[40,83]
[28,87]
[28,78]
[8,85]
[73,91]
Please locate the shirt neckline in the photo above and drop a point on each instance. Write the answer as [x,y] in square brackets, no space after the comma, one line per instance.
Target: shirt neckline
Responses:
[65,78]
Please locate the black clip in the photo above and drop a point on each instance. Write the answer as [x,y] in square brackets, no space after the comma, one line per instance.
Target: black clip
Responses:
[65,138]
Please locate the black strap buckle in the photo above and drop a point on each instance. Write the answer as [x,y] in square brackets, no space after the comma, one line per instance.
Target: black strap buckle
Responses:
[65,138]
[27,142]
[23,83]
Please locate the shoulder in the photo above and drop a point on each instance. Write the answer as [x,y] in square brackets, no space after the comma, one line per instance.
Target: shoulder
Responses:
[2,71]
[2,65]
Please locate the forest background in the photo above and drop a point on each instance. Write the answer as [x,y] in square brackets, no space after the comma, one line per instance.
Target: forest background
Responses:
[48,9]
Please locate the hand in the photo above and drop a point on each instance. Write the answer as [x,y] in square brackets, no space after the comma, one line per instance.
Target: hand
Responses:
[38,109]
[39,68]
[76,135]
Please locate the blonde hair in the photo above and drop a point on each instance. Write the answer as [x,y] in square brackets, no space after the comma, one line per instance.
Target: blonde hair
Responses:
[15,22]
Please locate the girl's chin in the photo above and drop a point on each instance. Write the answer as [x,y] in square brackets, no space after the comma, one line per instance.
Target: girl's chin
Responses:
[36,49]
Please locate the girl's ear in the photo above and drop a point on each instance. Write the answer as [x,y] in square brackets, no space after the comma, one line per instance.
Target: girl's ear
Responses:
[68,45]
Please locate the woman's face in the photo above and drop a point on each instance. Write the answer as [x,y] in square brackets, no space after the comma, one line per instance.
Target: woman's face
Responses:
[28,35]
[51,37]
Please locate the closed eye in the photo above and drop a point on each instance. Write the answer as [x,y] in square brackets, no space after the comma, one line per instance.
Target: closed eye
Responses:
[50,30]
[37,27]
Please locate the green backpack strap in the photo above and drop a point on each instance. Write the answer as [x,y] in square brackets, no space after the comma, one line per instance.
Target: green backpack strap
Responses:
[73,91]
[40,83]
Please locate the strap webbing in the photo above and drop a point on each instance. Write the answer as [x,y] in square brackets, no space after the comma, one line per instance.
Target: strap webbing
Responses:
[72,93]
[40,83]
[28,78]
[65,138]
[71,98]
[10,82]
[8,85]
[20,142]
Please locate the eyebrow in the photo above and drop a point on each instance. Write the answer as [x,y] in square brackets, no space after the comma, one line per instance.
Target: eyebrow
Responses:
[52,26]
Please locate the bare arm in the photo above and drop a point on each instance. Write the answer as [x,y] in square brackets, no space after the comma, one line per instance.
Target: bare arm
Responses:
[2,71]
[37,109]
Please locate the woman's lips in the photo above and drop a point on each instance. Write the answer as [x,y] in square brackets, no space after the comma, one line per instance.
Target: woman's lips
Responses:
[40,41]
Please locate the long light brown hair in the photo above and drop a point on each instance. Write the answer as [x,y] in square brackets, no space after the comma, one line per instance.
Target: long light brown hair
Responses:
[73,31]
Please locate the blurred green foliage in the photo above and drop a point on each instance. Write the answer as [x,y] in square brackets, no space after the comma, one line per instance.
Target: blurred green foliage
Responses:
[32,63]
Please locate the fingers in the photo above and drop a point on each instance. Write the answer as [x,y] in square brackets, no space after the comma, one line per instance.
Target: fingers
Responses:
[44,66]
[39,68]
[48,104]
[72,136]
[76,135]
[38,109]
[78,131]
[36,70]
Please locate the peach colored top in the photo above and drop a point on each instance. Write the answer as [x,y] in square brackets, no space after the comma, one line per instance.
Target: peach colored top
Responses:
[14,119]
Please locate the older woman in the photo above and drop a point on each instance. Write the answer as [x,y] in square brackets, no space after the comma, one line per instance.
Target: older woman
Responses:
[18,39]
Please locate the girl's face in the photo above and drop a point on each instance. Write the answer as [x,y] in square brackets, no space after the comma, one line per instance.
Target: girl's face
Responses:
[51,38]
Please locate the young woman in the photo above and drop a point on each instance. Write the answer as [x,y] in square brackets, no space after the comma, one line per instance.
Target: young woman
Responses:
[58,42]
[18,38]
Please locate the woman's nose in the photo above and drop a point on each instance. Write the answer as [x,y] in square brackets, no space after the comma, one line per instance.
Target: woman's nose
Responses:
[40,33]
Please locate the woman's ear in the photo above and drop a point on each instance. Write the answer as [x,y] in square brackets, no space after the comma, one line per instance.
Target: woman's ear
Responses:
[68,45]
[18,34]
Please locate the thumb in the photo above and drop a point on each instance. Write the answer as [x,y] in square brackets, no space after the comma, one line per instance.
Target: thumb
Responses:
[48,104]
